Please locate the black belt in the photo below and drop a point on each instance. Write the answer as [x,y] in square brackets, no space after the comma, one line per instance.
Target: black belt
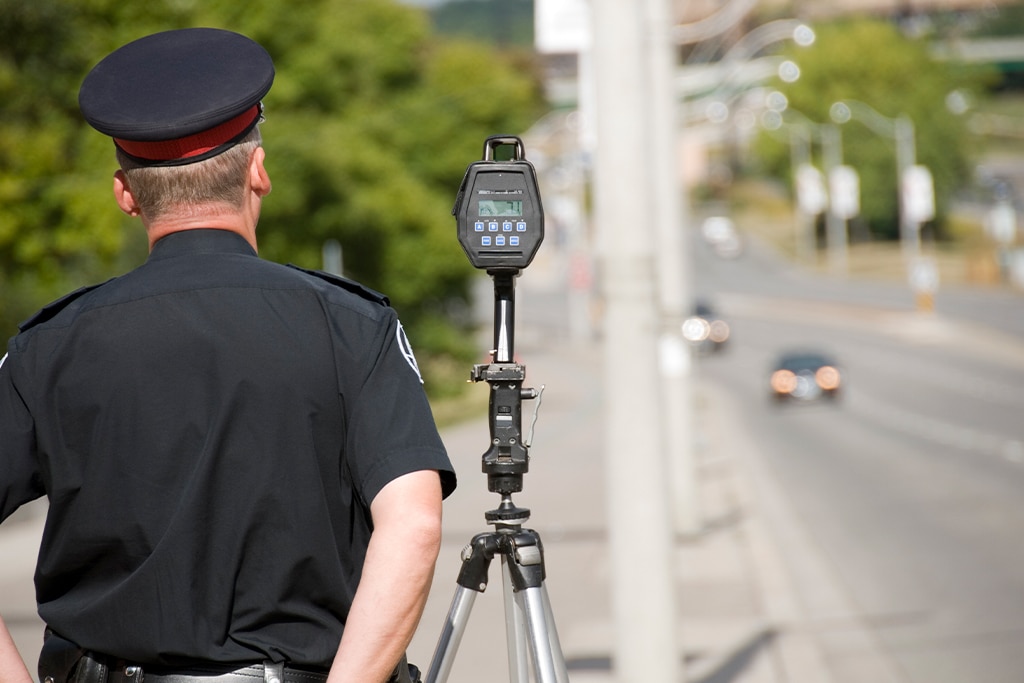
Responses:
[256,673]
[61,661]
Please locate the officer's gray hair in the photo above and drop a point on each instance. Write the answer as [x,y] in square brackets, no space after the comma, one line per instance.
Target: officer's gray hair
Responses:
[218,180]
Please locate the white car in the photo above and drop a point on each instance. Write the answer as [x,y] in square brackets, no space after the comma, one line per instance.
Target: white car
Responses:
[721,235]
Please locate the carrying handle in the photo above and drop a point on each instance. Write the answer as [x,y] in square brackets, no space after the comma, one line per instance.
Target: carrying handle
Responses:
[496,141]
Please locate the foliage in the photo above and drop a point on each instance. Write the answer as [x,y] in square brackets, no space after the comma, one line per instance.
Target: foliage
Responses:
[873,63]
[995,21]
[370,125]
[57,229]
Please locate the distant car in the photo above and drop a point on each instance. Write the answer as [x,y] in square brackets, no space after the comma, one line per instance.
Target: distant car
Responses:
[705,330]
[721,235]
[805,376]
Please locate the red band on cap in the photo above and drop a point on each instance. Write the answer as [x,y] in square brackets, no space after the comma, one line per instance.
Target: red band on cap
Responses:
[191,145]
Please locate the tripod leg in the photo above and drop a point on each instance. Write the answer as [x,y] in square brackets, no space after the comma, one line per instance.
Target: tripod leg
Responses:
[451,635]
[561,671]
[523,570]
[530,628]
[548,661]
[515,630]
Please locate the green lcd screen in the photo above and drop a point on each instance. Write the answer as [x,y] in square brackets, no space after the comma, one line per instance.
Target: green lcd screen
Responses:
[501,207]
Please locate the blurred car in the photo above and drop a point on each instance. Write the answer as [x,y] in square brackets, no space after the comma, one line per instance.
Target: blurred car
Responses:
[721,235]
[805,376]
[705,330]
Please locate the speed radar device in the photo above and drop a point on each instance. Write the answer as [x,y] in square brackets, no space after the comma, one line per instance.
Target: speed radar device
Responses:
[498,210]
[500,226]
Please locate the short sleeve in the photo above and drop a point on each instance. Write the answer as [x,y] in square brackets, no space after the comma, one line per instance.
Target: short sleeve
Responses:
[19,473]
[391,427]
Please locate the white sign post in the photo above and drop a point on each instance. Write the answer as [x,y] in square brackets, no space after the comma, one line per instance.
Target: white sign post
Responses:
[811,195]
[924,282]
[918,197]
[844,188]
[918,193]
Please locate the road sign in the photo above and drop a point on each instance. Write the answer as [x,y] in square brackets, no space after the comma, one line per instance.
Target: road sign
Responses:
[844,189]
[918,194]
[1001,222]
[810,190]
[924,276]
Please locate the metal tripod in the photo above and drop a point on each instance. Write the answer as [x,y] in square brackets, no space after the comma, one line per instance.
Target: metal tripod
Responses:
[529,623]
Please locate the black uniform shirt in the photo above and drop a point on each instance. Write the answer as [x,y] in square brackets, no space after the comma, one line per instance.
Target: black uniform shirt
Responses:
[210,430]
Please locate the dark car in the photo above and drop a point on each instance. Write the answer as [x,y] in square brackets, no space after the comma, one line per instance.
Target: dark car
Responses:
[705,330]
[805,376]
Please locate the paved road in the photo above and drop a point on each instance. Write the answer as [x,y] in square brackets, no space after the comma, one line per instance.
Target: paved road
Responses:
[912,487]
[910,492]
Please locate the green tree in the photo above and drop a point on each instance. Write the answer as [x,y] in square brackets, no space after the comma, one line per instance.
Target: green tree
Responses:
[872,62]
[56,227]
[370,125]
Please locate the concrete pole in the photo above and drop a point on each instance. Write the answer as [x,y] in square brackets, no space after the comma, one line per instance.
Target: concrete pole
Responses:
[800,154]
[639,513]
[906,157]
[674,287]
[835,225]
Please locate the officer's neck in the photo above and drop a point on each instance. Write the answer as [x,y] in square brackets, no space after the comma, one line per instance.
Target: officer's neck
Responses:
[232,221]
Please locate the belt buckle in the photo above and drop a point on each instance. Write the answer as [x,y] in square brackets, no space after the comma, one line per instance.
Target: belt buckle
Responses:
[273,673]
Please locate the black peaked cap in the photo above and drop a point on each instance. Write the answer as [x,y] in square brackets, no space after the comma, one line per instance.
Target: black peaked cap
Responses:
[175,84]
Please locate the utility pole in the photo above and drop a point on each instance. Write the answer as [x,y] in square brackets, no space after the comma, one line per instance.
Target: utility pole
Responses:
[836,237]
[674,287]
[627,203]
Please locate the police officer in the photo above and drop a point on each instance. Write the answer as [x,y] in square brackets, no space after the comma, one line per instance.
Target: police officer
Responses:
[243,474]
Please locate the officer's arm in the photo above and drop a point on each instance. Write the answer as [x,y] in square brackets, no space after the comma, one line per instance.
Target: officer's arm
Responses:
[12,666]
[395,581]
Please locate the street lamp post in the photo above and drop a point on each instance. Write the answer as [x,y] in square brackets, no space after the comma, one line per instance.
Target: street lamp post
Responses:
[717,23]
[766,34]
[810,202]
[739,56]
[915,193]
[836,234]
[727,86]
[832,159]
[901,130]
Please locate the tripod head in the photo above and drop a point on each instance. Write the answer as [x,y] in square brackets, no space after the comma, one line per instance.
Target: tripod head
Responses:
[500,223]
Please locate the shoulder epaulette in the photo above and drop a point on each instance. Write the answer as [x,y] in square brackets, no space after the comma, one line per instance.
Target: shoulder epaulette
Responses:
[345,283]
[50,310]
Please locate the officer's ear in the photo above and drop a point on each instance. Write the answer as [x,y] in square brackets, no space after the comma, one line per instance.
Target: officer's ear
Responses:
[123,194]
[259,179]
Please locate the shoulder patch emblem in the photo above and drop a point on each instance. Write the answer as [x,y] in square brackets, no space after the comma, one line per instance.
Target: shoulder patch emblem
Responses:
[406,349]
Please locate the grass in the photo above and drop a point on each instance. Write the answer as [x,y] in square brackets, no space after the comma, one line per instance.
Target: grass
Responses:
[764,211]
[469,403]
